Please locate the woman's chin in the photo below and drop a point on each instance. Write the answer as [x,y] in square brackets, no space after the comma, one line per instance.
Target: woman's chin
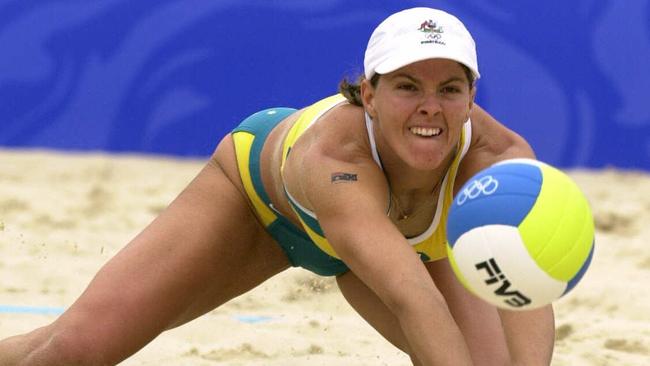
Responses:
[424,163]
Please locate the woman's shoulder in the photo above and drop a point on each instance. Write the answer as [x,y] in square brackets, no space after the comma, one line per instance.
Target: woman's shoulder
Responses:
[336,143]
[491,142]
[494,138]
[339,134]
[337,137]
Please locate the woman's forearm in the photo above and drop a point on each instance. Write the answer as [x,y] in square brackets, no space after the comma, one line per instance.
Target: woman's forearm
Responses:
[530,335]
[432,333]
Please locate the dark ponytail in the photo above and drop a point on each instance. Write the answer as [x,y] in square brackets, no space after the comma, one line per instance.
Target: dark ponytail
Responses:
[352,90]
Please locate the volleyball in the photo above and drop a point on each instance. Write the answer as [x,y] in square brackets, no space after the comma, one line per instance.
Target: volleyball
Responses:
[520,234]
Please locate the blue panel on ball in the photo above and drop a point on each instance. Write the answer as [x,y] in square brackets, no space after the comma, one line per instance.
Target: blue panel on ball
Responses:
[499,195]
[571,284]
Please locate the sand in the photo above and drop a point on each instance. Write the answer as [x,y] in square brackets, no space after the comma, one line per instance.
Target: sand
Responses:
[63,215]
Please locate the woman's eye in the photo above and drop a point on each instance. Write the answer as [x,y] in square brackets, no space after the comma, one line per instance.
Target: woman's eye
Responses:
[409,87]
[450,90]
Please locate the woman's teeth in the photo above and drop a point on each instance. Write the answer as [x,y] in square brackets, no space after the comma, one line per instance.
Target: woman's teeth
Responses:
[426,132]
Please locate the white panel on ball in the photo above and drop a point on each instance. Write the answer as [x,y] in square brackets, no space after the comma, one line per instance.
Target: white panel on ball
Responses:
[496,265]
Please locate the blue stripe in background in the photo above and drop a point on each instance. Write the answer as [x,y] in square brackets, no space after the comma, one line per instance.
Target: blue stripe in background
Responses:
[253,319]
[164,97]
[40,310]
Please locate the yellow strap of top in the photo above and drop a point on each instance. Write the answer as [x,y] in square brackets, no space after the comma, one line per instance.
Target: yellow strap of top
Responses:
[307,117]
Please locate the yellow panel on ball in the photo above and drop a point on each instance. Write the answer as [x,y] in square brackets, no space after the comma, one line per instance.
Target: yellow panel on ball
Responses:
[546,231]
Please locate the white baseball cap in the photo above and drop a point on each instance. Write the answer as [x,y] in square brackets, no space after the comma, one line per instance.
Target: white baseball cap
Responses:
[418,34]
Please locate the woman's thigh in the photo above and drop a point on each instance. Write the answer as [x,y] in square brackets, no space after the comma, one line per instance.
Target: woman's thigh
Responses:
[204,249]
[234,251]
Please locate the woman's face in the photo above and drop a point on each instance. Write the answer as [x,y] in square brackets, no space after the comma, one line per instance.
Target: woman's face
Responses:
[418,111]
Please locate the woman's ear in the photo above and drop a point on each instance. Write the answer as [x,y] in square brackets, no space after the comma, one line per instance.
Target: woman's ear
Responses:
[368,97]
[472,95]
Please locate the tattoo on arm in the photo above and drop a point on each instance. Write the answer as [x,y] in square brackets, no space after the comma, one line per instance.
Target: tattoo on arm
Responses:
[340,177]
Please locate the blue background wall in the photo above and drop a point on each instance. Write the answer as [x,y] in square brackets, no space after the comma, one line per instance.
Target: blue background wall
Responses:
[173,76]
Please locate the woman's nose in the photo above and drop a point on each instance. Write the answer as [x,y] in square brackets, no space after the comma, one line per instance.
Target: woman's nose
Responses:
[430,104]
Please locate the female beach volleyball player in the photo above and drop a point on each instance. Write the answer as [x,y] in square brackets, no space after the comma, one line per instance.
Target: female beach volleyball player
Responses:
[355,186]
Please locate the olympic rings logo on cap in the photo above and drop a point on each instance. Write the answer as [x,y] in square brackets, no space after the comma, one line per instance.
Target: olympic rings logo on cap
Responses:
[485,185]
